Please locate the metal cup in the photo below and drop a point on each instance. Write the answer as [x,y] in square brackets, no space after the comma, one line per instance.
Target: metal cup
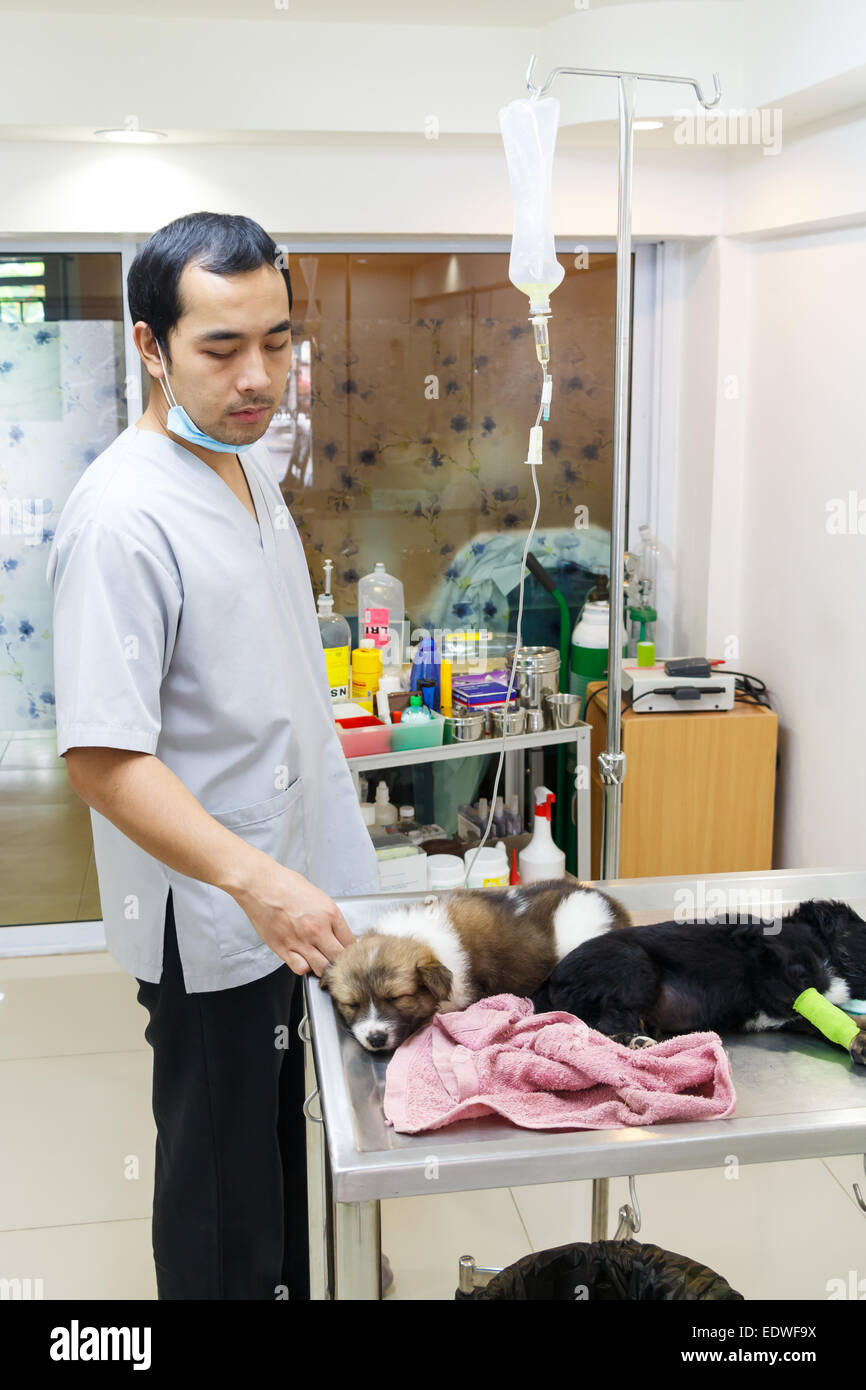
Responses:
[562,710]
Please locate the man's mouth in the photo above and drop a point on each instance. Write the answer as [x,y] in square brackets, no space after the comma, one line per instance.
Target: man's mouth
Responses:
[248,416]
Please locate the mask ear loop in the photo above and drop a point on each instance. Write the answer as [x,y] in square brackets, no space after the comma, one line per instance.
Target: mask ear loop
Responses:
[172,401]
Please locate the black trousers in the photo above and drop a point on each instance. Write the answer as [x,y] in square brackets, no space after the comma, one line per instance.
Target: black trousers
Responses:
[230,1186]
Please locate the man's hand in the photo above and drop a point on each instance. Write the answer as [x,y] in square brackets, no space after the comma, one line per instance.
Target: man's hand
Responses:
[300,923]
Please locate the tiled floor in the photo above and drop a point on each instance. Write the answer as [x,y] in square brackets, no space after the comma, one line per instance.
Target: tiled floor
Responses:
[76,1173]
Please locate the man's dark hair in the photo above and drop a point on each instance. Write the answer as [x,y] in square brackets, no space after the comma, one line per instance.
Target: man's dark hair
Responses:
[219,242]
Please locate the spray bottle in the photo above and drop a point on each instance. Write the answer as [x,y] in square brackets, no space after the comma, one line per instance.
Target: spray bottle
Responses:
[336,640]
[541,859]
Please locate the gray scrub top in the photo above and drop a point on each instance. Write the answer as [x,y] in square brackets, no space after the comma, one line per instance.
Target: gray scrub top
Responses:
[186,629]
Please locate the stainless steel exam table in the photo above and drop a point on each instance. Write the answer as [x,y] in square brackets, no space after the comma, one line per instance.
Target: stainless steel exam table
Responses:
[797,1097]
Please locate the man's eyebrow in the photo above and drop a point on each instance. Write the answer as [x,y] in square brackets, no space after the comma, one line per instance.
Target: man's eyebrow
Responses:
[217,335]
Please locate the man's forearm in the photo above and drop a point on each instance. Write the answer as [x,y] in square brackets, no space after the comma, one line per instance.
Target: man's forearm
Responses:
[150,805]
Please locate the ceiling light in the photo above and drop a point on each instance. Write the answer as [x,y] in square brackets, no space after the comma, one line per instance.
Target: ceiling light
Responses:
[648,125]
[131,137]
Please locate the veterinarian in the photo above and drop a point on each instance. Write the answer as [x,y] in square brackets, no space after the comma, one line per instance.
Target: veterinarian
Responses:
[194,714]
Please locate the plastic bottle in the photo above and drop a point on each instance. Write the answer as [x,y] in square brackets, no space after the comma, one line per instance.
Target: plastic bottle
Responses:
[512,815]
[427,665]
[416,712]
[336,640]
[386,812]
[488,867]
[381,612]
[366,669]
[469,822]
[445,701]
[541,859]
[500,824]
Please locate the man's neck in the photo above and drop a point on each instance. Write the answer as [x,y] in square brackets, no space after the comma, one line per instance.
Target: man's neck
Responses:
[219,462]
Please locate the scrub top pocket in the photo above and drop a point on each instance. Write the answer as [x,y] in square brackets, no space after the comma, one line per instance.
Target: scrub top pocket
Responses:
[275,826]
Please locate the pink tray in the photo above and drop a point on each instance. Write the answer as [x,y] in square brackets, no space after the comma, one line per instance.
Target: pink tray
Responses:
[359,743]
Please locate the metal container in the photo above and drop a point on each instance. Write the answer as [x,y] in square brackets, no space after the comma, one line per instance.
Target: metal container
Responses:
[562,711]
[536,675]
[536,721]
[515,721]
[464,728]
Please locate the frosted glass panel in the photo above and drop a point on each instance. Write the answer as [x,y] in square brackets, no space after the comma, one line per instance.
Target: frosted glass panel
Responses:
[61,404]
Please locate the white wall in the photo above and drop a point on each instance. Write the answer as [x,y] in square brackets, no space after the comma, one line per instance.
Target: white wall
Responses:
[802,618]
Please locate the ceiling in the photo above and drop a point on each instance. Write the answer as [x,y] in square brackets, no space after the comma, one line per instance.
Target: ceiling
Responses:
[522,14]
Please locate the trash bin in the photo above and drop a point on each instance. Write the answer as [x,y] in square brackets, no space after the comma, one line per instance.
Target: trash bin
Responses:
[607,1271]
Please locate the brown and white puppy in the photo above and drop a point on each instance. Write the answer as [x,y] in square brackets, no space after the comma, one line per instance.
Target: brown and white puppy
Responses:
[442,955]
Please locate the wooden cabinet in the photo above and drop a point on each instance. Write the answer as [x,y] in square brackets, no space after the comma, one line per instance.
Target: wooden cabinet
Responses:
[699,789]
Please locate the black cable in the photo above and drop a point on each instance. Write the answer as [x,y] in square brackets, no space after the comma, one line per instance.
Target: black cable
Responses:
[749,686]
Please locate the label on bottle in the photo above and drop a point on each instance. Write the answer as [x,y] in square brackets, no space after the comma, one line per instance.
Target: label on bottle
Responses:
[376,626]
[337,663]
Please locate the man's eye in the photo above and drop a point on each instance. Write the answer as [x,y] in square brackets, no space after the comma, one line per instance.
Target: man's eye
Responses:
[224,355]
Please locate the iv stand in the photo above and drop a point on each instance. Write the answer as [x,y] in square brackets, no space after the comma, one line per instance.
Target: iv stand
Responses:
[612,761]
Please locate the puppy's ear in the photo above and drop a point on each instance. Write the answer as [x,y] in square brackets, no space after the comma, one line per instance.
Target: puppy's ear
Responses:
[827,918]
[325,978]
[436,977]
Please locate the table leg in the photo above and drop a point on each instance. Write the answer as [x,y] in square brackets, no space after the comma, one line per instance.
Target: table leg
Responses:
[317,1204]
[357,1228]
[600,1194]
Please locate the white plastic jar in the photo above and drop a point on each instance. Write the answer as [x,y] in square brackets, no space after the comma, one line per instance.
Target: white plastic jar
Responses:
[445,871]
[488,867]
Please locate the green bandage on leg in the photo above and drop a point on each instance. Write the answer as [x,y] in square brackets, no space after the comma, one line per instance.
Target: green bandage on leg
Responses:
[829,1020]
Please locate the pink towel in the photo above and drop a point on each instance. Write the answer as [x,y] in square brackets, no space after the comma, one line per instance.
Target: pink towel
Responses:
[549,1071]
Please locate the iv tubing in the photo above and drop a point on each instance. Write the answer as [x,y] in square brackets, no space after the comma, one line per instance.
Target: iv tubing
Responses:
[472,854]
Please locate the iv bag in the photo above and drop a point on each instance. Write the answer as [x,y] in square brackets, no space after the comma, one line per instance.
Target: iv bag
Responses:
[529,134]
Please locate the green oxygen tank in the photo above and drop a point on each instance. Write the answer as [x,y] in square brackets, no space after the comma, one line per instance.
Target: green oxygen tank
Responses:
[589,642]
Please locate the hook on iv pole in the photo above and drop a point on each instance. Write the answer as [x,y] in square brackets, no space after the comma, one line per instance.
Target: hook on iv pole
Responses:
[536,92]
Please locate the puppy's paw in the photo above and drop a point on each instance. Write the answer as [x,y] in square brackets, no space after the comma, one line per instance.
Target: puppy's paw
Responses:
[857,1048]
[632,1040]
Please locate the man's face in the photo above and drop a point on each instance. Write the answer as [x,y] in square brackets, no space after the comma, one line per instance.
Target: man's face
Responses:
[231,350]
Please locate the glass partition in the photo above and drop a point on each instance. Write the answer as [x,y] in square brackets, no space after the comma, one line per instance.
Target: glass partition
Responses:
[402,437]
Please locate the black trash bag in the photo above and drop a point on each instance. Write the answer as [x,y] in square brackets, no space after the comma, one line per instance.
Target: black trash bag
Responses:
[606,1271]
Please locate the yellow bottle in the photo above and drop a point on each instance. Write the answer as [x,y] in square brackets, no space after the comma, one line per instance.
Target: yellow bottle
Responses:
[366,670]
[445,687]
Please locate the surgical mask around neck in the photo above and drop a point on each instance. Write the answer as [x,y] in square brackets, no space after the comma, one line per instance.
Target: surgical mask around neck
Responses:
[180,423]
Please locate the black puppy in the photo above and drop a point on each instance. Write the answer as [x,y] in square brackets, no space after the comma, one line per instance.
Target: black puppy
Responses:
[728,975]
